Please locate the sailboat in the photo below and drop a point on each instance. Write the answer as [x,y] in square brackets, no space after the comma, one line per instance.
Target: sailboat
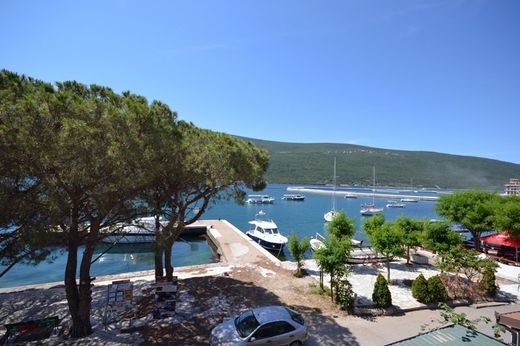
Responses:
[370,208]
[328,216]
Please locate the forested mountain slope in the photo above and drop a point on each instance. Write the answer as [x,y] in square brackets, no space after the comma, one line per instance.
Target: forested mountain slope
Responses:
[312,163]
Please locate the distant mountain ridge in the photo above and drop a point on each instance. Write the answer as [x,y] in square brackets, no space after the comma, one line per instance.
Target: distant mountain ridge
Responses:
[312,163]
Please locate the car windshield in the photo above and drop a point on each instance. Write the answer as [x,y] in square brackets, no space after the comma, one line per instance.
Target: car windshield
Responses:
[246,323]
[296,317]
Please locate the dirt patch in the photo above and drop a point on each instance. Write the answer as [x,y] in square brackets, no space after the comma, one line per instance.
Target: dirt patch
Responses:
[204,302]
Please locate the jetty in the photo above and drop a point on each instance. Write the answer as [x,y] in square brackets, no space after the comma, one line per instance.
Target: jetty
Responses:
[361,194]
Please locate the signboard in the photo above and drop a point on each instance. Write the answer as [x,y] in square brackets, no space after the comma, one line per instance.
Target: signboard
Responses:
[165,297]
[119,298]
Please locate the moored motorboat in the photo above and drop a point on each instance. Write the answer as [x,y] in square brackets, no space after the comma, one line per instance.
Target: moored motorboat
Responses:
[395,204]
[266,234]
[409,200]
[140,231]
[350,195]
[289,197]
[259,199]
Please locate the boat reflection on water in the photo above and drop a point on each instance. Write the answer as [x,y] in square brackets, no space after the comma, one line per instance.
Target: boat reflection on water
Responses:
[143,253]
[126,248]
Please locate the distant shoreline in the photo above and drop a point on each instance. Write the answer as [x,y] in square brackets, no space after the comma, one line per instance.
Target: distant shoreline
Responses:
[341,193]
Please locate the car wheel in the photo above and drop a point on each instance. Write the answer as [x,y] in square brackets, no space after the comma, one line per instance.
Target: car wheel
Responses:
[295,343]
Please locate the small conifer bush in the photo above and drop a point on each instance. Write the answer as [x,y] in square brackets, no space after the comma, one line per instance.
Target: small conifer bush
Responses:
[420,289]
[345,295]
[381,295]
[436,290]
[488,284]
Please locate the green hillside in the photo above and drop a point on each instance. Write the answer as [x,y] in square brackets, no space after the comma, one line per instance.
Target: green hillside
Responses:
[312,163]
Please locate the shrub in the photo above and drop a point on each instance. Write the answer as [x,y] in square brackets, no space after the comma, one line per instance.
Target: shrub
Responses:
[345,295]
[436,290]
[420,289]
[487,283]
[298,249]
[381,295]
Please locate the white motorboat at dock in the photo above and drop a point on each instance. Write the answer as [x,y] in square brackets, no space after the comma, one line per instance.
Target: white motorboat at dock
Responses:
[266,234]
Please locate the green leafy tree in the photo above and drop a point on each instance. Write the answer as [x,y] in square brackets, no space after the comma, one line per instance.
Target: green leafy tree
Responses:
[381,294]
[420,289]
[473,209]
[412,231]
[213,166]
[507,215]
[450,316]
[331,259]
[341,226]
[386,238]
[76,158]
[439,236]
[298,248]
[467,262]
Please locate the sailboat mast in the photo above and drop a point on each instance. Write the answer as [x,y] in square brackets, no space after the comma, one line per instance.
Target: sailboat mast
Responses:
[373,184]
[334,188]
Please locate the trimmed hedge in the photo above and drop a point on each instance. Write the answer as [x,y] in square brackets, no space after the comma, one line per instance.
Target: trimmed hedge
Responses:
[420,289]
[429,291]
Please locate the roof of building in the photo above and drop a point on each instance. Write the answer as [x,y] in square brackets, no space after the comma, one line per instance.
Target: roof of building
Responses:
[510,319]
[451,335]
[502,239]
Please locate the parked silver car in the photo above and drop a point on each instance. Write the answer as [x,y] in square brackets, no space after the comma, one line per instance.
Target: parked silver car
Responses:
[275,325]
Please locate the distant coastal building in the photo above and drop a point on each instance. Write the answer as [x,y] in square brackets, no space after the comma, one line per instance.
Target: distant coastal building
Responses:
[513,187]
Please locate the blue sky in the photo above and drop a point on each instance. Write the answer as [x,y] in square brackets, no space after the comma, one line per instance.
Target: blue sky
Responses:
[438,76]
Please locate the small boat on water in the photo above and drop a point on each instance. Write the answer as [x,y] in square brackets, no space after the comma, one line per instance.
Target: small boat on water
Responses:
[140,231]
[259,199]
[350,195]
[319,242]
[395,204]
[266,234]
[409,200]
[288,197]
[369,209]
[328,216]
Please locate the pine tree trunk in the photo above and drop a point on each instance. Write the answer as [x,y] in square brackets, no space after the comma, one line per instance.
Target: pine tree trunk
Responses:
[168,260]
[71,288]
[407,254]
[388,269]
[158,253]
[81,326]
[331,286]
[476,240]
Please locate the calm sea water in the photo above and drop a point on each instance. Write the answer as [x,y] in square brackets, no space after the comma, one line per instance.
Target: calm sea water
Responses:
[302,218]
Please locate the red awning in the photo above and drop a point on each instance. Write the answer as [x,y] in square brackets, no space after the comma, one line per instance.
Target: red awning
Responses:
[502,239]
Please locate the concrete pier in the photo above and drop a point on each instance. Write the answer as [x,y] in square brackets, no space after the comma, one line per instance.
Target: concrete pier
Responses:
[341,193]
